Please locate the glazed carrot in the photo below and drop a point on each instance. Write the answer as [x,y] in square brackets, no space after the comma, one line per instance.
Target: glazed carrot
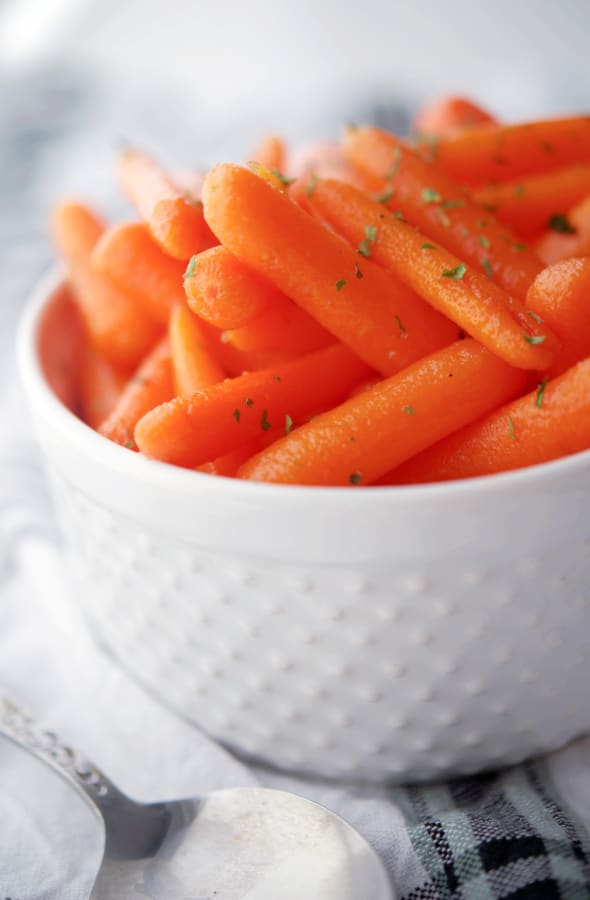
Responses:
[560,295]
[354,299]
[529,205]
[569,235]
[364,386]
[431,200]
[448,114]
[153,383]
[193,360]
[270,153]
[504,152]
[116,325]
[130,257]
[550,422]
[101,386]
[223,291]
[189,431]
[466,296]
[63,346]
[359,441]
[281,325]
[175,221]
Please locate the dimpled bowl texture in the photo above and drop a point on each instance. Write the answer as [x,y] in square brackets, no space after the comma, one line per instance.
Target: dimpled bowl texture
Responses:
[377,633]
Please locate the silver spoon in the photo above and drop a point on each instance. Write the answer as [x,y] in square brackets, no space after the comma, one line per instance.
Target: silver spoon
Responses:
[240,844]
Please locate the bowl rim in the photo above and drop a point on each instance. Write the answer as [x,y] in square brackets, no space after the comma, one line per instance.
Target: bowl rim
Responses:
[133,465]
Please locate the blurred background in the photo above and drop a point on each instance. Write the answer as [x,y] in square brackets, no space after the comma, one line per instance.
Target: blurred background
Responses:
[194,82]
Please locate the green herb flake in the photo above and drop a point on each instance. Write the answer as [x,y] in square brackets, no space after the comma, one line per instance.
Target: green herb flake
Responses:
[561,224]
[429,195]
[371,233]
[340,284]
[456,273]
[364,248]
[489,207]
[541,392]
[264,423]
[400,325]
[518,248]
[249,402]
[191,268]
[409,410]
[487,268]
[236,415]
[357,271]
[427,246]
[534,317]
[276,377]
[355,478]
[534,339]
[519,190]
[311,185]
[482,223]
[386,196]
[547,147]
[282,178]
[483,241]
[131,445]
[452,204]
[511,429]
[398,214]
[288,424]
[444,219]
[397,158]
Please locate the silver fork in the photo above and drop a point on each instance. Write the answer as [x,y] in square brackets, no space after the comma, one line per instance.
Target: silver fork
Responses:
[253,843]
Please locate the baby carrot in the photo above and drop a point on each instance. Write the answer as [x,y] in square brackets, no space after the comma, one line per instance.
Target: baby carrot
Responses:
[379,319]
[466,296]
[190,431]
[428,198]
[359,441]
[568,235]
[116,325]
[281,325]
[153,383]
[101,386]
[229,464]
[130,257]
[174,219]
[550,422]
[504,152]
[560,296]
[448,114]
[270,153]
[529,205]
[224,292]
[193,361]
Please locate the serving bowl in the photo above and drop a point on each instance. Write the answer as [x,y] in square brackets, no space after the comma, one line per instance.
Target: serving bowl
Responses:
[399,633]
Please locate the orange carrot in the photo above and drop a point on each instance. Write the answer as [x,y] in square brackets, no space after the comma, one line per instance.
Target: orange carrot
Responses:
[270,153]
[433,202]
[550,422]
[364,386]
[281,325]
[355,300]
[465,295]
[359,441]
[529,205]
[189,431]
[152,384]
[116,325]
[569,235]
[62,347]
[229,464]
[130,257]
[101,386]
[448,114]
[175,220]
[560,296]
[194,363]
[486,153]
[224,292]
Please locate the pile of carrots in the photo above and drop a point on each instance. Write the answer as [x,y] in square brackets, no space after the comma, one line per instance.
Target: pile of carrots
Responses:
[376,311]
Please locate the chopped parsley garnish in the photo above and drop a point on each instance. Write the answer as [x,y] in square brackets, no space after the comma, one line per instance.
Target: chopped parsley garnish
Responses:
[282,178]
[340,284]
[457,272]
[264,423]
[249,402]
[131,445]
[561,224]
[487,268]
[427,246]
[276,377]
[452,204]
[386,196]
[357,271]
[355,478]
[511,429]
[482,223]
[540,392]
[484,241]
[288,424]
[398,214]
[519,190]
[409,410]
[191,268]
[311,184]
[236,415]
[364,247]
[400,325]
[444,219]
[518,248]
[489,207]
[429,195]
[371,233]
[534,338]
[547,147]
[535,317]
[397,158]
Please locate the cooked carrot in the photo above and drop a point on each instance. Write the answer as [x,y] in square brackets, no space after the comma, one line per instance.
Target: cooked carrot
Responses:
[174,219]
[116,325]
[152,384]
[529,205]
[364,386]
[270,153]
[130,257]
[504,152]
[466,296]
[448,114]
[283,324]
[568,236]
[64,343]
[223,291]
[560,296]
[189,431]
[359,441]
[550,422]
[101,386]
[193,360]
[382,321]
[433,202]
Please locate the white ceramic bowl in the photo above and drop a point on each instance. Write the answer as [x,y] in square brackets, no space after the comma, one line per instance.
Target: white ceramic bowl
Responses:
[399,633]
